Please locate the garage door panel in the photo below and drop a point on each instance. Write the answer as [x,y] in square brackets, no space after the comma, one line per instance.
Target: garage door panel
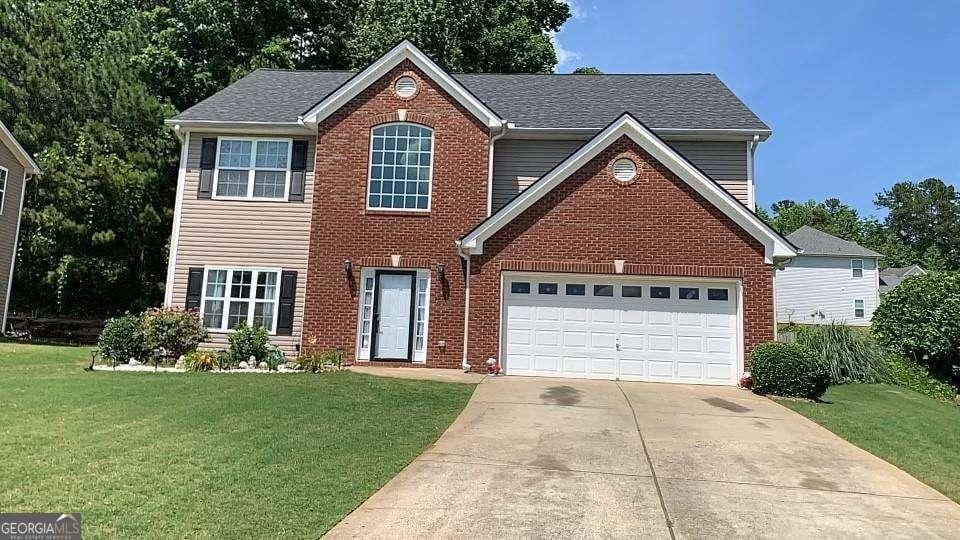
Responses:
[518,337]
[638,337]
[547,338]
[661,343]
[546,364]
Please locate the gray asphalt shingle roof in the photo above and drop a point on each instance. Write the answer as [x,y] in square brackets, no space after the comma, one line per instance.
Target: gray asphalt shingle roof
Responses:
[816,242]
[683,101]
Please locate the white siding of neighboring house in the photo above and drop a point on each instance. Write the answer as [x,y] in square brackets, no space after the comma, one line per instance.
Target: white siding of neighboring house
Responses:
[808,285]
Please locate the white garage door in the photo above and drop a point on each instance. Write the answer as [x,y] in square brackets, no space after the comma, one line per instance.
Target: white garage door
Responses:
[616,328]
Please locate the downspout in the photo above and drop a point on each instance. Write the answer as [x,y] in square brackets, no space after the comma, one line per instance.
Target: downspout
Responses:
[464,364]
[751,173]
[494,139]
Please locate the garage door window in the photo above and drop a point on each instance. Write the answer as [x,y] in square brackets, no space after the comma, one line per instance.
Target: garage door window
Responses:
[547,288]
[717,294]
[632,291]
[659,292]
[689,293]
[576,289]
[603,290]
[520,287]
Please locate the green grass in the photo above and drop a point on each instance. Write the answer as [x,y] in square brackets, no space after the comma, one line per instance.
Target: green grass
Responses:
[205,455]
[914,432]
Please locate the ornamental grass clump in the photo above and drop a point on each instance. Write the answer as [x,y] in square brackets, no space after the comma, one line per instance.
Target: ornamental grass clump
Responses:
[851,355]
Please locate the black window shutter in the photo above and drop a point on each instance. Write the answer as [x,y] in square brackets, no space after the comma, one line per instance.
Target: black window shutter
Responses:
[194,288]
[208,159]
[298,170]
[288,293]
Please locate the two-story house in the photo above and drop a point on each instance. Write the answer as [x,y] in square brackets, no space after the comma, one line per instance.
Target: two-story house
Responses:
[594,226]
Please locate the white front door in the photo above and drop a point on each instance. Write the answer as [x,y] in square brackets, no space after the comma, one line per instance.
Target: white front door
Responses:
[616,327]
[395,294]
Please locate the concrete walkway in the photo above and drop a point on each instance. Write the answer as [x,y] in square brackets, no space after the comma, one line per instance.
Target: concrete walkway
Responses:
[567,458]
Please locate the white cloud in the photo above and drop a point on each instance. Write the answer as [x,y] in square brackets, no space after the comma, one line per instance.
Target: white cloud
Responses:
[564,56]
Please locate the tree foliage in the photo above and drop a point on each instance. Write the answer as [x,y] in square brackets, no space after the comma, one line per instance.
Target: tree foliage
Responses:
[86,84]
[919,318]
[588,70]
[922,225]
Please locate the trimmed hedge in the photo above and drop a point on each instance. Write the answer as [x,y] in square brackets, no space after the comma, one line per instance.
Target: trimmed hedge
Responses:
[788,369]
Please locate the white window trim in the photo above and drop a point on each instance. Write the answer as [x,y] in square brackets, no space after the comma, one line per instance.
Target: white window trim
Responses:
[253,293]
[3,192]
[433,160]
[251,172]
[853,268]
[863,308]
[419,357]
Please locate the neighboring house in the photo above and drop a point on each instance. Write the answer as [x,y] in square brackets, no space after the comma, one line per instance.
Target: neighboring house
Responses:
[832,280]
[891,277]
[16,167]
[568,225]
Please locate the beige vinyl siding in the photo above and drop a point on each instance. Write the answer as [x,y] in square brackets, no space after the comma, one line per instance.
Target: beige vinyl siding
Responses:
[724,161]
[9,217]
[265,234]
[517,163]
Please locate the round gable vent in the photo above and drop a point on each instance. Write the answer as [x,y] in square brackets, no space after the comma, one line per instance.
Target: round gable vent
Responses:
[624,170]
[405,87]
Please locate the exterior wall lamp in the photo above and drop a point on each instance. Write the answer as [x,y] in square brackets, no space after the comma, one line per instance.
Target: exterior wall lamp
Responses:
[441,270]
[348,267]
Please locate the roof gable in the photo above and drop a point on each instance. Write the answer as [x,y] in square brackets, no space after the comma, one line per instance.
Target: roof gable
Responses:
[403,51]
[775,246]
[6,138]
[818,243]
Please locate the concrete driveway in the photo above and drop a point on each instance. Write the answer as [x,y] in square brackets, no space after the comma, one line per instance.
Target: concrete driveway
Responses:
[568,458]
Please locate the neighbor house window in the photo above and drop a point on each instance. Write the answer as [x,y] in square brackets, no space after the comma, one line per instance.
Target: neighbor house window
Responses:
[252,168]
[857,265]
[401,166]
[3,187]
[858,309]
[235,295]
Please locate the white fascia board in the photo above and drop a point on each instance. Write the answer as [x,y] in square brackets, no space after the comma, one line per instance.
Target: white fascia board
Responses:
[18,151]
[404,51]
[775,247]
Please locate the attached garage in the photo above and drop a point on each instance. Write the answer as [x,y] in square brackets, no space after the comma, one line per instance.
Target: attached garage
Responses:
[616,327]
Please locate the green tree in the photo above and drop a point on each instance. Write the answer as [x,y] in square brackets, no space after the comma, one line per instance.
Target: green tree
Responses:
[831,216]
[95,226]
[588,70]
[925,215]
[465,35]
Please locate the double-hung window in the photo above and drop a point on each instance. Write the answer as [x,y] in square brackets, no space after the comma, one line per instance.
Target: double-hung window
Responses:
[858,310]
[857,266]
[252,168]
[3,187]
[401,167]
[235,295]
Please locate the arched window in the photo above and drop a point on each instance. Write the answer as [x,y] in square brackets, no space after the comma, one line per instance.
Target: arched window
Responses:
[401,167]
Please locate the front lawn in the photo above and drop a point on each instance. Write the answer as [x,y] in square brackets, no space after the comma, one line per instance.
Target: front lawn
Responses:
[221,455]
[916,433]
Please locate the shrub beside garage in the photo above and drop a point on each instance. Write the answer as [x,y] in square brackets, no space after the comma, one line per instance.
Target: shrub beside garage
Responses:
[788,369]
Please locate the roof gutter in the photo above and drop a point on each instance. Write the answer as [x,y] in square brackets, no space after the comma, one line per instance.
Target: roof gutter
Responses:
[672,133]
[294,128]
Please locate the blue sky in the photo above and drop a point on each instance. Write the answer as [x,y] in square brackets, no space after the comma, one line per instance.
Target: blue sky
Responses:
[860,95]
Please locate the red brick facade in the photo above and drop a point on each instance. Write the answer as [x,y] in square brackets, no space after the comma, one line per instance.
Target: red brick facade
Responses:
[657,224]
[343,229]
